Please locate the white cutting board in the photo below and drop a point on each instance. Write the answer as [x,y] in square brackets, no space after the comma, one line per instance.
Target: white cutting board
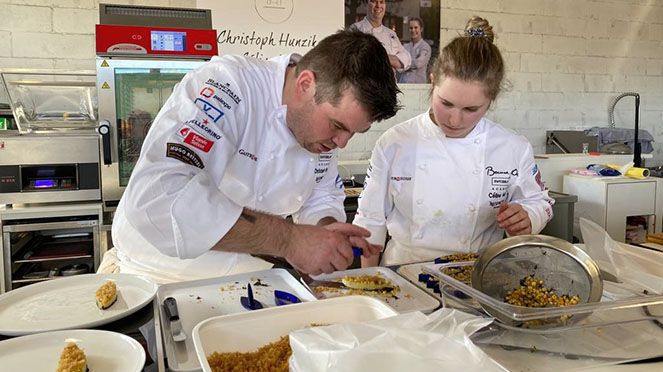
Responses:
[203,299]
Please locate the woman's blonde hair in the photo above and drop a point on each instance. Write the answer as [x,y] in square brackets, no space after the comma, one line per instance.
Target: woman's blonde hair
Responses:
[472,57]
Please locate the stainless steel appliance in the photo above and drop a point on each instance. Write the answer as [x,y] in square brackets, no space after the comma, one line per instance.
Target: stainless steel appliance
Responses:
[570,141]
[48,241]
[142,53]
[49,168]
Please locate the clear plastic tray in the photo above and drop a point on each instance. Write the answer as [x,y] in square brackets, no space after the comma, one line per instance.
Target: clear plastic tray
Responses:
[51,100]
[620,303]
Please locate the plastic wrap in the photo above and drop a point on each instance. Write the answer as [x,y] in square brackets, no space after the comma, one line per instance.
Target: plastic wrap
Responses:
[408,342]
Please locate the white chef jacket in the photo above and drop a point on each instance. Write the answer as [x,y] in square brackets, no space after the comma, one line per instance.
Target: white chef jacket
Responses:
[437,195]
[220,143]
[388,38]
[420,53]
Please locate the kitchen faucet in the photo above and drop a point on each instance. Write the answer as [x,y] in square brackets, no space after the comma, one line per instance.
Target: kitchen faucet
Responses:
[637,150]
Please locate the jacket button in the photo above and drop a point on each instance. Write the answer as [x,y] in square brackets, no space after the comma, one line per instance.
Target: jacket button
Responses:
[422,166]
[419,236]
[420,202]
[477,141]
[271,156]
[472,208]
[476,171]
[260,198]
[300,198]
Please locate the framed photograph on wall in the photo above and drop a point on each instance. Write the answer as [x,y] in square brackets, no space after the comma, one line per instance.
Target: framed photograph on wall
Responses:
[412,25]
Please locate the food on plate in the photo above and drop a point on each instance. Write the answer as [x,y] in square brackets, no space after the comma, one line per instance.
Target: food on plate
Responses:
[533,293]
[106,295]
[363,285]
[460,273]
[458,257]
[72,359]
[271,357]
[366,282]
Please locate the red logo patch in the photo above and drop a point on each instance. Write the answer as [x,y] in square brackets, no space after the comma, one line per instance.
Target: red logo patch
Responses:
[198,142]
[207,92]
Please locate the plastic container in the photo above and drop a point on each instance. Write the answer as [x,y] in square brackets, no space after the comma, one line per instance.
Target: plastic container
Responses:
[243,332]
[620,303]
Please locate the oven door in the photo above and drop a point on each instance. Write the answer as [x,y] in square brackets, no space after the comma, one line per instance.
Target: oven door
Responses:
[130,92]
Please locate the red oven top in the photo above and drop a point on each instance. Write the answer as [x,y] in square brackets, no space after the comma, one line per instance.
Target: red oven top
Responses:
[154,41]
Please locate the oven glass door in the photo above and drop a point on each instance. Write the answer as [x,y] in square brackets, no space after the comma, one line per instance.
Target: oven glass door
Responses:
[139,95]
[131,92]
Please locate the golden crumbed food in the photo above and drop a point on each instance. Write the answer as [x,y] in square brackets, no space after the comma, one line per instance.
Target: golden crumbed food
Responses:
[460,257]
[272,357]
[366,282]
[106,295]
[72,359]
[460,273]
[533,293]
[362,285]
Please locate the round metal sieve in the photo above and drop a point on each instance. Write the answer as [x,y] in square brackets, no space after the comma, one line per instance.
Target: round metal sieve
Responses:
[561,265]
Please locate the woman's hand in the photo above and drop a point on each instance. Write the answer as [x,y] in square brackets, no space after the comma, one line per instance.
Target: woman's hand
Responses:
[514,219]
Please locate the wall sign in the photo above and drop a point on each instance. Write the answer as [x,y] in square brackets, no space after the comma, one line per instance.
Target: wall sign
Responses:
[267,28]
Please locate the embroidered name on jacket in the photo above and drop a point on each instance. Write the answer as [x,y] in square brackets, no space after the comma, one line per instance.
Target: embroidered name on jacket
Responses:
[183,154]
[248,154]
[225,88]
[401,178]
[203,125]
[194,139]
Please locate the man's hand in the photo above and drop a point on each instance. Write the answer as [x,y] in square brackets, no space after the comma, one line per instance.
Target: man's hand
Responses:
[315,250]
[357,236]
[514,219]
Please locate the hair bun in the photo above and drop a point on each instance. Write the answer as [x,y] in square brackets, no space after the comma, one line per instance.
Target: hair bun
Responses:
[479,27]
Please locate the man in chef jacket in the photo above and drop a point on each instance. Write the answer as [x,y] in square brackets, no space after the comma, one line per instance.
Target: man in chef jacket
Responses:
[399,58]
[241,144]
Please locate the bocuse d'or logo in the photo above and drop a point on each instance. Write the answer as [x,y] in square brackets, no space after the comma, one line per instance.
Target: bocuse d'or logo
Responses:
[274,11]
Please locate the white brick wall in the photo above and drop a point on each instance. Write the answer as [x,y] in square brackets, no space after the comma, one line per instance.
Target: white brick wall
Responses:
[566,59]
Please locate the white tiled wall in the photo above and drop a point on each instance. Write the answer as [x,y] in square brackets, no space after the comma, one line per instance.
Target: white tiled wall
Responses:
[566,59]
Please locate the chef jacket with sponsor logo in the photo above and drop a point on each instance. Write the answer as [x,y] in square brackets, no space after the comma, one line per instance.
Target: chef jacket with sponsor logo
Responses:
[437,195]
[388,38]
[220,143]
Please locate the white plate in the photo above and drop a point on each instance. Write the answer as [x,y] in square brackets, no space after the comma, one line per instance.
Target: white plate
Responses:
[106,351]
[249,331]
[198,300]
[409,298]
[69,302]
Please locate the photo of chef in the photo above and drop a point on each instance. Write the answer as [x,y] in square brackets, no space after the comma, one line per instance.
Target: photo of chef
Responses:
[409,30]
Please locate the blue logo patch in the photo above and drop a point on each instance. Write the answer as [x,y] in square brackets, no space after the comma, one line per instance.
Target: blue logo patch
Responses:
[214,113]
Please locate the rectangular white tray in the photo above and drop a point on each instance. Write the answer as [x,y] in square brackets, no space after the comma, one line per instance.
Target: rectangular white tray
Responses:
[244,332]
[409,298]
[202,299]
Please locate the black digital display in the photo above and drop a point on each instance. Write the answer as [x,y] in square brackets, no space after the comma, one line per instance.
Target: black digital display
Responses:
[171,41]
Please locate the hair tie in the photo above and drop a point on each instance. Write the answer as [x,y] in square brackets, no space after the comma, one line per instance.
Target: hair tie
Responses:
[475,32]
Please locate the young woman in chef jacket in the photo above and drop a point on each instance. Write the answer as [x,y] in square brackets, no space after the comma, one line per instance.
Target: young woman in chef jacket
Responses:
[450,180]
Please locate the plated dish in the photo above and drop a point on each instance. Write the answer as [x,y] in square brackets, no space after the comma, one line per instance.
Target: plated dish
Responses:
[105,351]
[70,302]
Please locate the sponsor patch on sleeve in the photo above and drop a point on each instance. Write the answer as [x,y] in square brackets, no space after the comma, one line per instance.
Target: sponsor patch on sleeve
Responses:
[194,139]
[183,154]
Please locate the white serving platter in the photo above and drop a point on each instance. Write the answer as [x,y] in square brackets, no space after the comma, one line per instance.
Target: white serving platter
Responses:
[247,331]
[203,299]
[69,302]
[409,298]
[105,351]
